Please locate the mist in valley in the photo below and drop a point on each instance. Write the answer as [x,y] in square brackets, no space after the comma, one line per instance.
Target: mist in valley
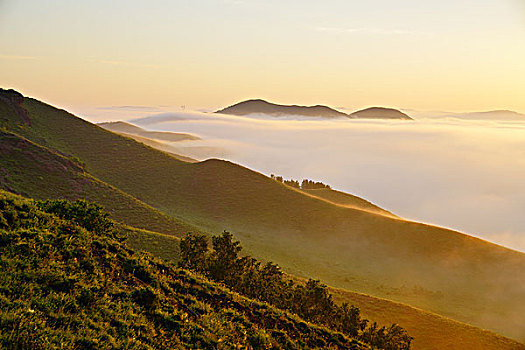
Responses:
[461,174]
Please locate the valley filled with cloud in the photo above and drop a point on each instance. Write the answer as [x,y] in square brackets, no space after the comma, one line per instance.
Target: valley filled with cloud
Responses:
[461,174]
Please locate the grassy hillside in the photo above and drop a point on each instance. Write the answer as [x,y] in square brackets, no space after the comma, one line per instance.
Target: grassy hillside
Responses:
[433,268]
[160,245]
[48,175]
[430,331]
[427,329]
[67,281]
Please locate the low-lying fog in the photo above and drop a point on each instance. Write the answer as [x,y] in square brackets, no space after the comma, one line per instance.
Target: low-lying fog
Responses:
[462,174]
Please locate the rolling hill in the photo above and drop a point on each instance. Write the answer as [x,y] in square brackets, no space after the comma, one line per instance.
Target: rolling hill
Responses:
[48,175]
[435,269]
[379,113]
[264,107]
[66,279]
[500,115]
[426,328]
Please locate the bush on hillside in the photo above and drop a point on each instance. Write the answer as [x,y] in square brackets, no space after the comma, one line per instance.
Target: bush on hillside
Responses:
[311,301]
[67,283]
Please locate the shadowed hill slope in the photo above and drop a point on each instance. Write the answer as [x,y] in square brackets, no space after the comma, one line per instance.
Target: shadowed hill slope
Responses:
[48,175]
[433,268]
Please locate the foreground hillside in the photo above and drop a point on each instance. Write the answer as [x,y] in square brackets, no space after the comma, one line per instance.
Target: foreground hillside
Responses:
[433,268]
[67,281]
[429,331]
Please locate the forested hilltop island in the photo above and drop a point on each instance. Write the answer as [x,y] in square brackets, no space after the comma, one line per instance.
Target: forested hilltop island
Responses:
[258,106]
[106,242]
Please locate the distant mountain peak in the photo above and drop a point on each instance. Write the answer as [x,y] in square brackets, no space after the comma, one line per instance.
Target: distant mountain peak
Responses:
[500,111]
[14,100]
[259,106]
[495,115]
[379,113]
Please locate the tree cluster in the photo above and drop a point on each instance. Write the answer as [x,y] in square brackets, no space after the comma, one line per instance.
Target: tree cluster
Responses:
[67,281]
[266,282]
[305,184]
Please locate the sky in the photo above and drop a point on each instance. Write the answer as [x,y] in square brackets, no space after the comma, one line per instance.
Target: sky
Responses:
[458,55]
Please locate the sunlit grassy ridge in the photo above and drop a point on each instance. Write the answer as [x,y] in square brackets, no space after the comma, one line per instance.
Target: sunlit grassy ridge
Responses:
[68,281]
[433,268]
[345,199]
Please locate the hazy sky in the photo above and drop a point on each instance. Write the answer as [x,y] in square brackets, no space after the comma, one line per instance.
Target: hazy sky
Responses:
[449,54]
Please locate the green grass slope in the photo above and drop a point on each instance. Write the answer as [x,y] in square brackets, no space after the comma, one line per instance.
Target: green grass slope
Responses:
[433,268]
[430,331]
[48,175]
[427,329]
[166,247]
[67,281]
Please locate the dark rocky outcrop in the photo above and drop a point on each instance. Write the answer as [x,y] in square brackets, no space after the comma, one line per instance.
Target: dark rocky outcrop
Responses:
[14,101]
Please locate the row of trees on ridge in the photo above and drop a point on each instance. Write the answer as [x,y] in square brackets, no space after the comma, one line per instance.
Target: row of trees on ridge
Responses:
[305,184]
